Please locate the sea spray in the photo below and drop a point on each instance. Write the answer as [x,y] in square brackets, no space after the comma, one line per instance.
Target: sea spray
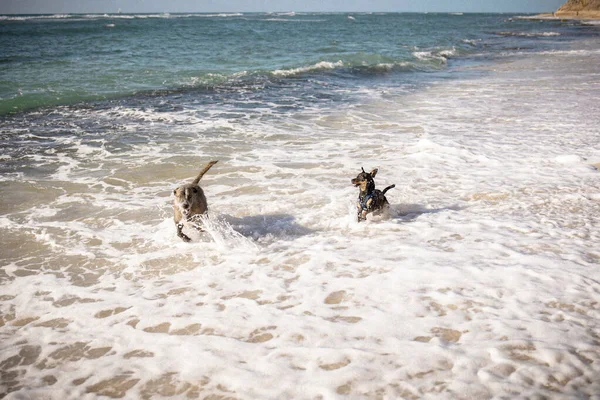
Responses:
[222,233]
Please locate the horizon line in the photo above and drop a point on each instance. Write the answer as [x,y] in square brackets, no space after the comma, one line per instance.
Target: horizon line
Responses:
[274,12]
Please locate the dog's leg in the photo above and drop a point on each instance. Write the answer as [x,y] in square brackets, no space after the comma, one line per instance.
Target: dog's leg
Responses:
[196,221]
[198,227]
[181,234]
[362,214]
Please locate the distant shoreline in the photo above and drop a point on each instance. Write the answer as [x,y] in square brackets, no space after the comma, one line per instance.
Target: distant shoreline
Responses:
[570,15]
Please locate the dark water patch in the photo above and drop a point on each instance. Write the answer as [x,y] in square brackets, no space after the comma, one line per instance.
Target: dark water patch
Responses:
[280,226]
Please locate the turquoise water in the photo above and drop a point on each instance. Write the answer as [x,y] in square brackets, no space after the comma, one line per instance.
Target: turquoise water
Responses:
[66,59]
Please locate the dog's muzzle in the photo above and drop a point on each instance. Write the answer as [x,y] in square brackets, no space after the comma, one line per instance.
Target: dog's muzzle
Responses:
[185,209]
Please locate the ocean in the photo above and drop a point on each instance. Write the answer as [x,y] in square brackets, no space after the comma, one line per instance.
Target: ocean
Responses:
[482,281]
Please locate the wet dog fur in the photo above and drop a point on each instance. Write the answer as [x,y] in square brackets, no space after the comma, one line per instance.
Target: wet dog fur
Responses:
[370,200]
[190,201]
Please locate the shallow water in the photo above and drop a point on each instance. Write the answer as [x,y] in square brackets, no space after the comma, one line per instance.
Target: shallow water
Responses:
[481,282]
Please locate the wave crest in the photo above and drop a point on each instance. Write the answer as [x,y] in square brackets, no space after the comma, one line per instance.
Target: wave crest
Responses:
[320,66]
[83,17]
[528,34]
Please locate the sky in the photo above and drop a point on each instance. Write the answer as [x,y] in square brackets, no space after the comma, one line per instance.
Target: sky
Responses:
[173,6]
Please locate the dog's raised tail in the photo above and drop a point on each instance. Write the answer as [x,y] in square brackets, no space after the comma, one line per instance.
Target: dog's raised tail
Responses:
[388,188]
[204,170]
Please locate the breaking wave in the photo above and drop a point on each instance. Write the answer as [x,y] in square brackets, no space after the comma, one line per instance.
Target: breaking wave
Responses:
[528,34]
[81,17]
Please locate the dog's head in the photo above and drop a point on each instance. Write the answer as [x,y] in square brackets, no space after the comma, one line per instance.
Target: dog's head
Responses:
[365,181]
[186,197]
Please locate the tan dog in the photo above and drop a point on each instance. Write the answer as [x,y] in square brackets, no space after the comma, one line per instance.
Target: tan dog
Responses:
[190,201]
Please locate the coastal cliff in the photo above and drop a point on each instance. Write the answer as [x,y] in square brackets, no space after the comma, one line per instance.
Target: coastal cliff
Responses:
[579,9]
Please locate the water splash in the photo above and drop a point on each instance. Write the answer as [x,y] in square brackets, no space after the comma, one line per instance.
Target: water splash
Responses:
[222,233]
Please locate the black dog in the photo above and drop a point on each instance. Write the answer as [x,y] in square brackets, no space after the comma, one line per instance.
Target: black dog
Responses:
[370,199]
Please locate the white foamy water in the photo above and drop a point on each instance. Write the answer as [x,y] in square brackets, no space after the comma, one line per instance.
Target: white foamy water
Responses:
[482,282]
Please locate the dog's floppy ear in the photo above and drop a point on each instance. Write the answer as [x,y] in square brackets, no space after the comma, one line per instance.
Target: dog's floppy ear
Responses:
[374,172]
